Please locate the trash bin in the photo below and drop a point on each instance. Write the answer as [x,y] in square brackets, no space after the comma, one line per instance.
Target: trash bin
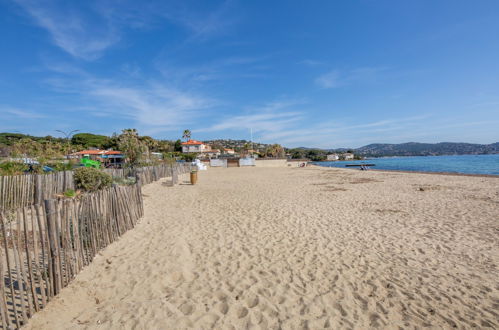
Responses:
[194,177]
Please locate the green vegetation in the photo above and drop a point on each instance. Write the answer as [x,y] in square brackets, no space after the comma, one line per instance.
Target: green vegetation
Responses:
[12,168]
[312,154]
[88,140]
[275,151]
[70,193]
[178,146]
[189,157]
[91,179]
[186,135]
[427,149]
[124,181]
[130,144]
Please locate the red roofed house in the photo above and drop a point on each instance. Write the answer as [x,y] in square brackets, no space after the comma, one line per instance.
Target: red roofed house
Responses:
[203,149]
[195,146]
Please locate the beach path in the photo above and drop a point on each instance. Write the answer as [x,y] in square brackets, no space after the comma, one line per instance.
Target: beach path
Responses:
[290,248]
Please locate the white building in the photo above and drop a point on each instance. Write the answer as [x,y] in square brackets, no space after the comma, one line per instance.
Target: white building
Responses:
[195,146]
[333,157]
[348,156]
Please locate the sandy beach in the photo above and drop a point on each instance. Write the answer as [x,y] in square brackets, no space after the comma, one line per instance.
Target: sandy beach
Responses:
[291,248]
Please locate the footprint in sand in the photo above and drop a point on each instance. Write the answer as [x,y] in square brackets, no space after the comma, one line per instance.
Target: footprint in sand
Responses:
[241,312]
[186,308]
[252,301]
[223,307]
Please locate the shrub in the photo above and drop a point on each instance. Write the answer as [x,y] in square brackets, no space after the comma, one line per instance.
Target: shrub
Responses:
[61,166]
[124,181]
[189,157]
[12,168]
[91,179]
[70,193]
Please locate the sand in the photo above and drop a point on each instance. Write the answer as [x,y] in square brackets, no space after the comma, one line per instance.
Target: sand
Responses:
[291,248]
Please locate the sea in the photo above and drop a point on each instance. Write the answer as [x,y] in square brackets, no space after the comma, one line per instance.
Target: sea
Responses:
[466,164]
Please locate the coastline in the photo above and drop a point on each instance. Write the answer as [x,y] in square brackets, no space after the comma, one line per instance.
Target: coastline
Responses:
[310,247]
[417,172]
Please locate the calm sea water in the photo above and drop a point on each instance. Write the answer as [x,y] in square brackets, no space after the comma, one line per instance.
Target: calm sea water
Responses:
[469,164]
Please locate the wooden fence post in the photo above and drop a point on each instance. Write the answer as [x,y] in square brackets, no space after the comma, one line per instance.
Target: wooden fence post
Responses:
[174,175]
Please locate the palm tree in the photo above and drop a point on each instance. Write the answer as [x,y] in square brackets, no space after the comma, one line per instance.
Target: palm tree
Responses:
[186,135]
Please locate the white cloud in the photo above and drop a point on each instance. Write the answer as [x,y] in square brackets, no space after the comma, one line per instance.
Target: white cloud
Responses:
[152,105]
[86,31]
[335,78]
[271,117]
[10,112]
[330,79]
[309,62]
[71,30]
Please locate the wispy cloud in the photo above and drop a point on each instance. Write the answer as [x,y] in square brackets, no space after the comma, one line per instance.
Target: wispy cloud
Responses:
[73,31]
[219,69]
[152,106]
[309,62]
[8,112]
[337,78]
[202,24]
[271,117]
[289,123]
[329,79]
[86,30]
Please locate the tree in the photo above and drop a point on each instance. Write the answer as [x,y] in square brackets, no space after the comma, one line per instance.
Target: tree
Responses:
[26,147]
[187,135]
[178,146]
[88,140]
[131,145]
[164,146]
[245,149]
[275,150]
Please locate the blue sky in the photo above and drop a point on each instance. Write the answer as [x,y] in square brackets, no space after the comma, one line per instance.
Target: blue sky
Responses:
[301,73]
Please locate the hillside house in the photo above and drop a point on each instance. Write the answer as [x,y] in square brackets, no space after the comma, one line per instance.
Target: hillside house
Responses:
[348,156]
[333,157]
[195,146]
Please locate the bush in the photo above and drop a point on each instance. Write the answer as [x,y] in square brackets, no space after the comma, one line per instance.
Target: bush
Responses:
[124,181]
[91,179]
[12,168]
[70,193]
[189,157]
[61,166]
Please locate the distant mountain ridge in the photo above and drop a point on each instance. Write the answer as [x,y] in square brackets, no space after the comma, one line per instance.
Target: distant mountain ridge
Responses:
[427,149]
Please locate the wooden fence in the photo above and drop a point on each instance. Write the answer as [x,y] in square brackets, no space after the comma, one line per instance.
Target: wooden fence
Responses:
[44,246]
[25,190]
[154,173]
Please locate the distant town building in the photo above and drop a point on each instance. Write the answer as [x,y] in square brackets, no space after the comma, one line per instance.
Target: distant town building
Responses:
[204,150]
[229,151]
[195,146]
[348,156]
[333,157]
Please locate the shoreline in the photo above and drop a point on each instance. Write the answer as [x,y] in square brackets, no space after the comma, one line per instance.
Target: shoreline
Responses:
[418,172]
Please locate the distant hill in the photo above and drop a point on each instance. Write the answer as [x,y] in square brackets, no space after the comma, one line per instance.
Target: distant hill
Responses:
[427,149]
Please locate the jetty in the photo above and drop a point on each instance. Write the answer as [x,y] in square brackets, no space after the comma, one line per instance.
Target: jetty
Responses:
[352,165]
